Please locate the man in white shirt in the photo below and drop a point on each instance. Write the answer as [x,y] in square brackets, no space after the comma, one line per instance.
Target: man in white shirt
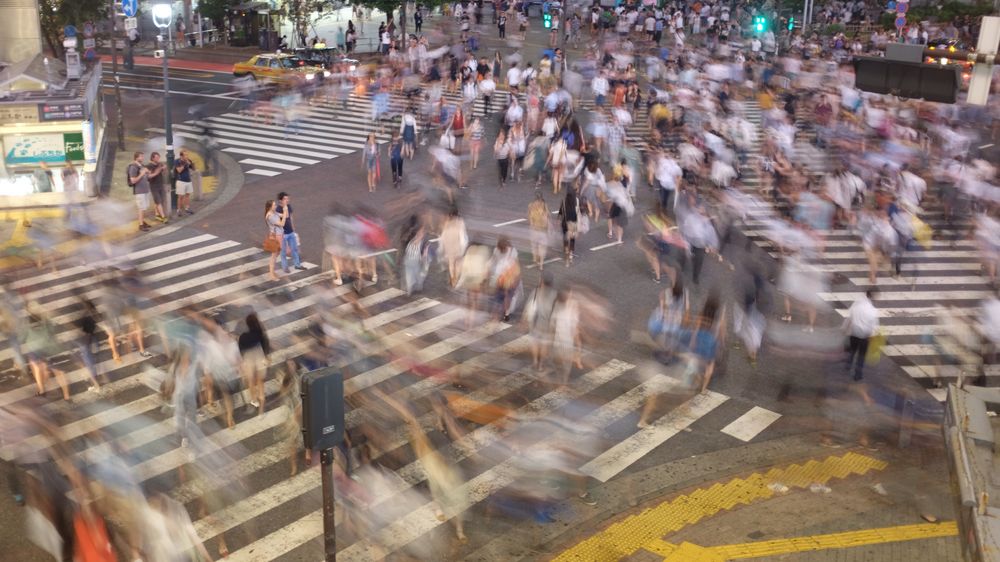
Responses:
[514,76]
[600,87]
[861,324]
[668,175]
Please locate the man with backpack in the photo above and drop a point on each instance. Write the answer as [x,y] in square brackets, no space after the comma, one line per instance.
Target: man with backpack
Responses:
[137,176]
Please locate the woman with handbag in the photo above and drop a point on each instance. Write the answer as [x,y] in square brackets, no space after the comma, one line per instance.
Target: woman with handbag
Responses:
[502,151]
[275,230]
[369,157]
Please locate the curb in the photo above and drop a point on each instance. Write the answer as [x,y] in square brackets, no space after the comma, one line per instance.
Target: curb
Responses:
[226,191]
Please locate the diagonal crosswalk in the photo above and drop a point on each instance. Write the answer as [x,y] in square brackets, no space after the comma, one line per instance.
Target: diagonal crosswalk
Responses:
[947,275]
[277,517]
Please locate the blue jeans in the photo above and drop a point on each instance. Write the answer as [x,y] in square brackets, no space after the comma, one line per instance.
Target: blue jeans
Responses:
[289,240]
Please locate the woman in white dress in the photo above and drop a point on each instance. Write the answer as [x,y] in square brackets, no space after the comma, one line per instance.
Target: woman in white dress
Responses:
[566,335]
[454,240]
[801,282]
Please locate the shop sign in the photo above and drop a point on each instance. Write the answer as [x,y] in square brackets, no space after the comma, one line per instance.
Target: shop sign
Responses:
[60,111]
[11,114]
[32,149]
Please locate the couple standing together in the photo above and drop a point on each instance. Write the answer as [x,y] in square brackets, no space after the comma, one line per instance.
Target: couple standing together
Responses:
[278,216]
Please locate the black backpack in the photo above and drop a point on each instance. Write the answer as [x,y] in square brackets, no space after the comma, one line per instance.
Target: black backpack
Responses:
[128,176]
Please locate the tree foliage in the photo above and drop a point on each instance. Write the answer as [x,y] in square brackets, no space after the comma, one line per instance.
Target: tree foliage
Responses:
[215,10]
[54,15]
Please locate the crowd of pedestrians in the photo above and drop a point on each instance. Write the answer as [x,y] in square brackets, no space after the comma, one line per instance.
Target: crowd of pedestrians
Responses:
[686,79]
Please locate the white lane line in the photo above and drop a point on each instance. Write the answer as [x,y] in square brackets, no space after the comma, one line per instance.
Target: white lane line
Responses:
[276,150]
[750,424]
[309,127]
[855,242]
[276,132]
[165,428]
[616,459]
[89,268]
[80,374]
[930,371]
[908,295]
[918,281]
[398,312]
[910,349]
[227,136]
[94,291]
[375,254]
[235,471]
[546,262]
[259,172]
[278,165]
[66,336]
[430,353]
[916,312]
[310,526]
[143,266]
[263,154]
[911,330]
[832,256]
[246,509]
[508,223]
[603,246]
[84,426]
[908,268]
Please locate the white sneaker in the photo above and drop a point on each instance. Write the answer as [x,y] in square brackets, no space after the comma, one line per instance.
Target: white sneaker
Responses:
[374,277]
[338,281]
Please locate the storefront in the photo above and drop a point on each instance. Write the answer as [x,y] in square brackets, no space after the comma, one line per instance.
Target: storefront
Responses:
[46,125]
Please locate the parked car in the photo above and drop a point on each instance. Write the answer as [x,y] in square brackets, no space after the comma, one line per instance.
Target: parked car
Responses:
[279,68]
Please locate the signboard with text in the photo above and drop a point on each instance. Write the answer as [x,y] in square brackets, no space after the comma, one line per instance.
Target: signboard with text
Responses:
[61,111]
[32,149]
[11,114]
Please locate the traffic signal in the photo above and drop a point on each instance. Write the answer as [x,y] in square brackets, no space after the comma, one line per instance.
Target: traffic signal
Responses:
[547,20]
[759,24]
[791,23]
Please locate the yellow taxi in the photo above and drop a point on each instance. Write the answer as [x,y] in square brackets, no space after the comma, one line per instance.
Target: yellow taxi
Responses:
[280,68]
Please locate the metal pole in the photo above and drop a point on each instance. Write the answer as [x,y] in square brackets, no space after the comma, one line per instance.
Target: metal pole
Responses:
[114,73]
[167,123]
[329,505]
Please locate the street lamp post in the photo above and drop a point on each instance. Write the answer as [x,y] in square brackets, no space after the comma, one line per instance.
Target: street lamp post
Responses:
[162,14]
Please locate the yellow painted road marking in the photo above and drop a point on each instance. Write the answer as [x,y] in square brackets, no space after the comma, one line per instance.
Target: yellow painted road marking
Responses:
[649,527]
[836,540]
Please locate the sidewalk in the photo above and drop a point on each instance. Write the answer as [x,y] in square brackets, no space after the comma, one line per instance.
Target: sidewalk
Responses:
[832,505]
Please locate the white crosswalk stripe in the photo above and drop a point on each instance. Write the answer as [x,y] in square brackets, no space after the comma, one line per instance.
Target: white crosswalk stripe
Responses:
[945,275]
[325,131]
[229,279]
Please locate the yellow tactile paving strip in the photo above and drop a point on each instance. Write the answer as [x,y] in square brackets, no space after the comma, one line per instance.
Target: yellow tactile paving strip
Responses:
[649,527]
[835,540]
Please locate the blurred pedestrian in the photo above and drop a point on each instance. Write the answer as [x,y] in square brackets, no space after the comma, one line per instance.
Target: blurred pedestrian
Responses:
[539,223]
[860,325]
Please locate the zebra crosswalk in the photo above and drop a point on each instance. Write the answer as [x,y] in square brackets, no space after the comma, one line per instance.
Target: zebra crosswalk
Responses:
[277,516]
[325,129]
[945,277]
